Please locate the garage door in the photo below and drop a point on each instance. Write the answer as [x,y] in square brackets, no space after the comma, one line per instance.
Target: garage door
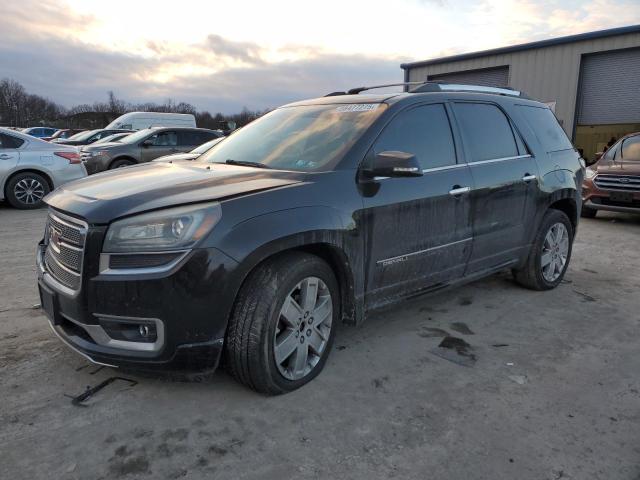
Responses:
[487,77]
[609,88]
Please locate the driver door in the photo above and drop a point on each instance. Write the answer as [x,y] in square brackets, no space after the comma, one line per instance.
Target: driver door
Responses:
[162,143]
[418,230]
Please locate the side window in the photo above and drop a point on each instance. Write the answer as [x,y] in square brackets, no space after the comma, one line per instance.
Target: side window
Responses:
[546,128]
[423,131]
[631,148]
[190,138]
[486,131]
[165,139]
[7,141]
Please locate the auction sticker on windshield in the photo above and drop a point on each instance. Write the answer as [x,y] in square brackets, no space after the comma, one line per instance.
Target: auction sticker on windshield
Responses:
[357,107]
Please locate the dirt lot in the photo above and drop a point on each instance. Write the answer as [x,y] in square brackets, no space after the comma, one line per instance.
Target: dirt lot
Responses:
[554,392]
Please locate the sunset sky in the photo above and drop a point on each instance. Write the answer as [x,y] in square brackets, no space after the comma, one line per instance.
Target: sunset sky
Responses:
[222,56]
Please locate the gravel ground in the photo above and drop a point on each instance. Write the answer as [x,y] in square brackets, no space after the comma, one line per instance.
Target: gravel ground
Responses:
[553,393]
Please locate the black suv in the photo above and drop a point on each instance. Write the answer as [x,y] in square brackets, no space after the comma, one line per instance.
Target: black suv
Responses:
[316,213]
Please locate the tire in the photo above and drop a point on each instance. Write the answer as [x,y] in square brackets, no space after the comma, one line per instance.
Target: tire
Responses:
[588,212]
[257,324]
[533,275]
[123,162]
[26,190]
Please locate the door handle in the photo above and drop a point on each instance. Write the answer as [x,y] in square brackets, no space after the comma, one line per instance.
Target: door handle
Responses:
[4,156]
[527,177]
[457,190]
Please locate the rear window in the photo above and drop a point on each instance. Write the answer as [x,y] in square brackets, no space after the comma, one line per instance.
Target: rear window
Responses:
[546,128]
[8,141]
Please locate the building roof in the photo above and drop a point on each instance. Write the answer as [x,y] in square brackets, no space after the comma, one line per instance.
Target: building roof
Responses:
[527,46]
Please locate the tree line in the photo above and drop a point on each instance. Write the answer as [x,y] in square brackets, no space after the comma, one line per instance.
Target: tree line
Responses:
[18,108]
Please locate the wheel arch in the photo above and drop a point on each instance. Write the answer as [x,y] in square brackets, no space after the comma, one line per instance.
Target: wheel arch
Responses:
[565,201]
[42,173]
[121,157]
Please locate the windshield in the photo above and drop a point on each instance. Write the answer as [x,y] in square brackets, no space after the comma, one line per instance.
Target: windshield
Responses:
[206,146]
[304,138]
[138,136]
[83,135]
[116,137]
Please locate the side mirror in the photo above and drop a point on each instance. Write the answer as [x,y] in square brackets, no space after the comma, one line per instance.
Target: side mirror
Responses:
[394,164]
[147,143]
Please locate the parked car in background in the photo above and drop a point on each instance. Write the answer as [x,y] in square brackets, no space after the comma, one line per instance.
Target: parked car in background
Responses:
[30,168]
[142,120]
[143,146]
[193,154]
[613,182]
[90,136]
[40,132]
[63,133]
[313,214]
[116,137]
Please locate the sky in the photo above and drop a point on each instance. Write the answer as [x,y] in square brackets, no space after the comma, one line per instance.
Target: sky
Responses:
[223,56]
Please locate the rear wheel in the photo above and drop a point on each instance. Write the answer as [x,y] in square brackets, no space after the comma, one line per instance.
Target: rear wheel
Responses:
[26,190]
[123,162]
[550,254]
[283,324]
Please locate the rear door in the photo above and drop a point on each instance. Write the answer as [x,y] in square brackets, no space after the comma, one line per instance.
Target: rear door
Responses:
[190,139]
[163,143]
[505,178]
[9,155]
[418,230]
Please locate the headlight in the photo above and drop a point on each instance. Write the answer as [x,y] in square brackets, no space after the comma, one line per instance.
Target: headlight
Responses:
[589,173]
[170,229]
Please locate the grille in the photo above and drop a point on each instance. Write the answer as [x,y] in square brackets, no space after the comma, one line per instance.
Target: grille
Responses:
[618,182]
[64,239]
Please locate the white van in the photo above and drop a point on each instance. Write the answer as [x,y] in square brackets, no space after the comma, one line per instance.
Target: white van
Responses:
[142,120]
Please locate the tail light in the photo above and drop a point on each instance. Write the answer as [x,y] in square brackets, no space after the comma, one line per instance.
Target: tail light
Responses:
[73,157]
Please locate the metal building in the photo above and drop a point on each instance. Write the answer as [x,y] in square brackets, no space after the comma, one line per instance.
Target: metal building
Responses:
[590,80]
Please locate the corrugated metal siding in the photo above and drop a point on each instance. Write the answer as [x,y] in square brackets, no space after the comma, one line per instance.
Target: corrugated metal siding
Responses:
[610,88]
[549,74]
[488,77]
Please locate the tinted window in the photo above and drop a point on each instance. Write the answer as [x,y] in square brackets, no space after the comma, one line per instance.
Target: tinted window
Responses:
[546,128]
[165,139]
[193,138]
[486,131]
[423,131]
[7,141]
[631,148]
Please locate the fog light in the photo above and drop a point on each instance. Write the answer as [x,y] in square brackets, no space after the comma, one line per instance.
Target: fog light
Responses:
[130,330]
[144,331]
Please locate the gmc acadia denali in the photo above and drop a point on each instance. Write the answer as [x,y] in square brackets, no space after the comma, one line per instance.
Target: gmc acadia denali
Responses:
[316,213]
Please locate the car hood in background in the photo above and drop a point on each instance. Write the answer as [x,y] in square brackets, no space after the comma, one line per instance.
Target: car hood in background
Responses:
[104,197]
[102,146]
[611,167]
[177,156]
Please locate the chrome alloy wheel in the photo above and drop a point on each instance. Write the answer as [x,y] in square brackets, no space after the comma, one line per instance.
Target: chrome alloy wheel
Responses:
[29,191]
[303,328]
[555,250]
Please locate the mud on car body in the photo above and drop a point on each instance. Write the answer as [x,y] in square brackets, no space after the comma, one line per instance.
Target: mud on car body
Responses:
[316,213]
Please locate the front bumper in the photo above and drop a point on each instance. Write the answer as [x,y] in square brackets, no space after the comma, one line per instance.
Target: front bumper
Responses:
[599,199]
[190,304]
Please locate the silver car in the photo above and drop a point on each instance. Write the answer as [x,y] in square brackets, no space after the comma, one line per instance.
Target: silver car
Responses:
[30,168]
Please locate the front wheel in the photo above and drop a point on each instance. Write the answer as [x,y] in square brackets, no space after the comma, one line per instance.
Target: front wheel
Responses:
[550,253]
[283,324]
[121,163]
[588,212]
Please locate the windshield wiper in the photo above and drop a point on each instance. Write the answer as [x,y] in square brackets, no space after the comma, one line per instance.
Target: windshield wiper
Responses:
[242,163]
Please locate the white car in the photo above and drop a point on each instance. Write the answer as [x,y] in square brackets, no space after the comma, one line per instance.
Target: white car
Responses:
[30,168]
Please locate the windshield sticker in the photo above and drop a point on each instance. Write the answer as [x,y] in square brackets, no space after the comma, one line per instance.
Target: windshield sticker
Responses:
[357,107]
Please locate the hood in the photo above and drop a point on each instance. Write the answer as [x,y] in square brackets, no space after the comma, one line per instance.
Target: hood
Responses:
[612,167]
[177,156]
[104,197]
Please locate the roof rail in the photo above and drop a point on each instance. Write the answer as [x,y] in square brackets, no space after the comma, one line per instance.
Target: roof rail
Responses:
[424,87]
